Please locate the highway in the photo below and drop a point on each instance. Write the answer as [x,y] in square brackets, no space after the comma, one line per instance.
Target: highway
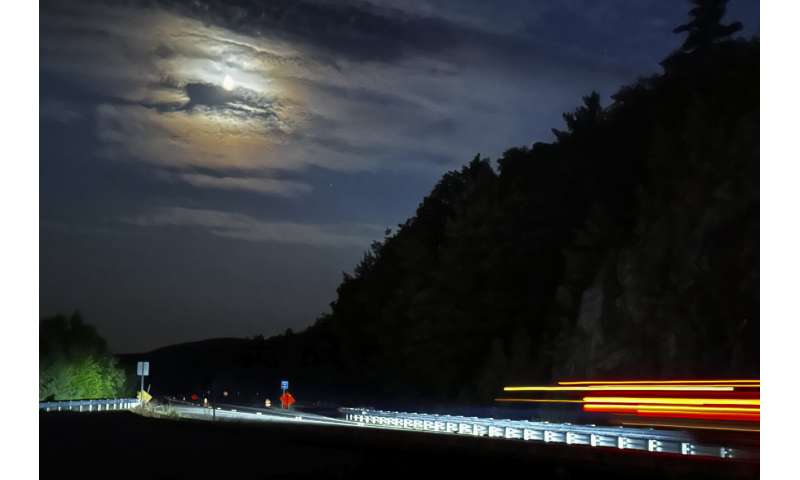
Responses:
[645,439]
[253,414]
[612,438]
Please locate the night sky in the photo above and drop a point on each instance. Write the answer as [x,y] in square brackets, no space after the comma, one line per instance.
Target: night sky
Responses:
[209,169]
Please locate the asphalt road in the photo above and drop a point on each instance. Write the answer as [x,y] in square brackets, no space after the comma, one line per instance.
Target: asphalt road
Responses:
[671,441]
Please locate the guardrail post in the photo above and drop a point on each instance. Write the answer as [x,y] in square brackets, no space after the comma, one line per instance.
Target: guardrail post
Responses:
[525,430]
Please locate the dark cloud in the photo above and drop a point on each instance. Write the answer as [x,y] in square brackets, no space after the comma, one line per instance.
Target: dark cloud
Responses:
[206,94]
[332,32]
[371,97]
[59,111]
[163,51]
[360,33]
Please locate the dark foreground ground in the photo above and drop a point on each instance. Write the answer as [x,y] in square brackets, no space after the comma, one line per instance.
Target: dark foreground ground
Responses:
[123,445]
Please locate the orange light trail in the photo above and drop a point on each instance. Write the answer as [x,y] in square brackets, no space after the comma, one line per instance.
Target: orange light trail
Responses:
[536,400]
[674,401]
[750,417]
[719,399]
[619,388]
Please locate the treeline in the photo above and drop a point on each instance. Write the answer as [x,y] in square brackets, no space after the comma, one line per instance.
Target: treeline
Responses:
[74,362]
[628,246]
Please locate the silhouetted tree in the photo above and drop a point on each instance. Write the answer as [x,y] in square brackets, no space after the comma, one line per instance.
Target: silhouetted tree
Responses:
[585,118]
[706,28]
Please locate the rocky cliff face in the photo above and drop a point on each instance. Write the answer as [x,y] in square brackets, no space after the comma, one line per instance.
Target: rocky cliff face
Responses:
[677,295]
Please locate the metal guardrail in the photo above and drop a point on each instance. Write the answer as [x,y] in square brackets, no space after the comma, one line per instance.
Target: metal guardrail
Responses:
[647,439]
[101,405]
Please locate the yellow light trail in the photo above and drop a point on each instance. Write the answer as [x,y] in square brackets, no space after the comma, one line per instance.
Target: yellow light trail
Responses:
[661,382]
[675,401]
[682,388]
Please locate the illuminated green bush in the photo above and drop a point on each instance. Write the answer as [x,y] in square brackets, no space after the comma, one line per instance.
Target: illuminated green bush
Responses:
[74,362]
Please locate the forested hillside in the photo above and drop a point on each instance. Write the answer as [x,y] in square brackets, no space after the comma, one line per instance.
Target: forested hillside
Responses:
[629,246]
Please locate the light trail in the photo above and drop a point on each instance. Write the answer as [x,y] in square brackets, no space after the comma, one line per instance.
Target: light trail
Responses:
[674,401]
[620,388]
[718,399]
[536,400]
[666,408]
[701,416]
[662,382]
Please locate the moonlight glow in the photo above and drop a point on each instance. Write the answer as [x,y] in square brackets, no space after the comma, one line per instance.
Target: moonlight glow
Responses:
[227,83]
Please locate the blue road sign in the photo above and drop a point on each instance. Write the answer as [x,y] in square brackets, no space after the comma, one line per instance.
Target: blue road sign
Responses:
[284,384]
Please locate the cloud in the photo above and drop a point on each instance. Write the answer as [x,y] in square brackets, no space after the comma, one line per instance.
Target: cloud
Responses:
[206,94]
[207,138]
[58,111]
[286,188]
[392,32]
[245,227]
[346,87]
[360,32]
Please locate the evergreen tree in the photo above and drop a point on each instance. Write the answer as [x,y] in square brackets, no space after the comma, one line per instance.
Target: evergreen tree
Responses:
[706,28]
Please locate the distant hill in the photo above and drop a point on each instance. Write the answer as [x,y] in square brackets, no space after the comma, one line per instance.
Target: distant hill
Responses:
[237,365]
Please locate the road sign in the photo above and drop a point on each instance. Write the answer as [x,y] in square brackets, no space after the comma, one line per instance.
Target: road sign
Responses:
[143,370]
[287,400]
[284,384]
[143,396]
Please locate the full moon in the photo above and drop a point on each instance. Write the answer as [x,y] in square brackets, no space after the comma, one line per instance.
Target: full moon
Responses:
[227,83]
